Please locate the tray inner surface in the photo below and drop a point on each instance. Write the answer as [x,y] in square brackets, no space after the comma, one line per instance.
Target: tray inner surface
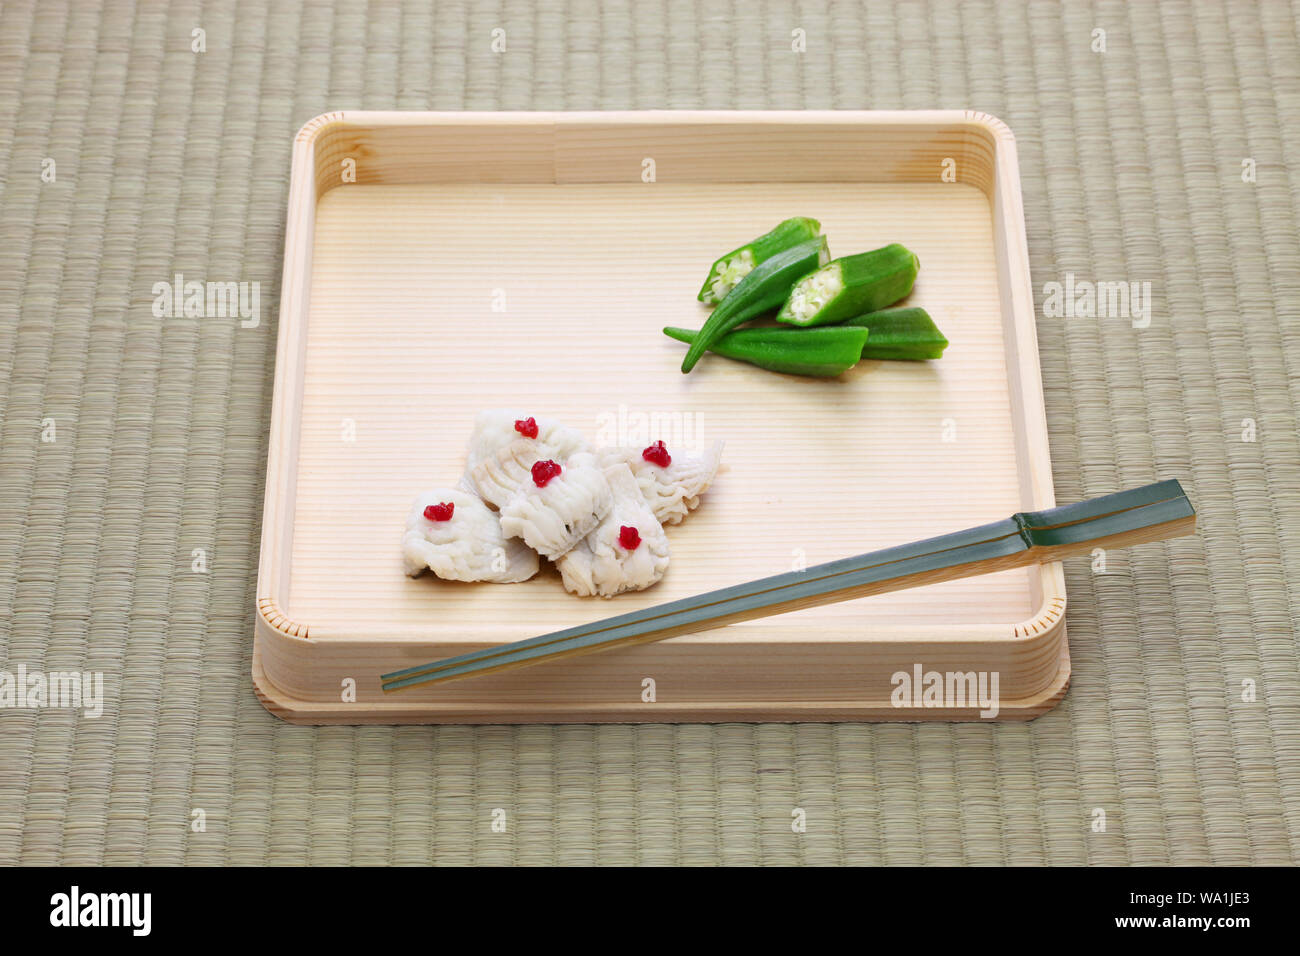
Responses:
[404,343]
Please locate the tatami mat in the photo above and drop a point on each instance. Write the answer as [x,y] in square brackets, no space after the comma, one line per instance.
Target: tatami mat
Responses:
[169,161]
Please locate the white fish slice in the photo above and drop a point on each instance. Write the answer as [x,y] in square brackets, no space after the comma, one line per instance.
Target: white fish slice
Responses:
[494,430]
[674,491]
[468,546]
[499,476]
[599,564]
[555,517]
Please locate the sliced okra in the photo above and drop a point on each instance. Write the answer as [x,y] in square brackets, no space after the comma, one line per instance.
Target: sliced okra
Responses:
[728,270]
[852,285]
[764,288]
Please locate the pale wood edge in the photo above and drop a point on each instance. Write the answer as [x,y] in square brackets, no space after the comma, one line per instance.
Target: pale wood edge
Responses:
[282,444]
[311,129]
[1023,368]
[1050,616]
[311,132]
[303,197]
[315,713]
[270,615]
[997,128]
[544,117]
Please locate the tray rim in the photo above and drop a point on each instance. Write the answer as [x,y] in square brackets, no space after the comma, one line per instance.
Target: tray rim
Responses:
[297,710]
[272,623]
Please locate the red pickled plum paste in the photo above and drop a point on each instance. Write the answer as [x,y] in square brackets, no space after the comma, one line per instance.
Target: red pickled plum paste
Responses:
[543,472]
[657,454]
[629,538]
[527,427]
[442,512]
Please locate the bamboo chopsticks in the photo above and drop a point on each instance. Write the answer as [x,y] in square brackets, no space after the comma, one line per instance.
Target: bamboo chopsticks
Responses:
[1149,513]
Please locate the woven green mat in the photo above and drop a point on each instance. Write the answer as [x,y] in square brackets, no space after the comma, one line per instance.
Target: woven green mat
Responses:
[167,160]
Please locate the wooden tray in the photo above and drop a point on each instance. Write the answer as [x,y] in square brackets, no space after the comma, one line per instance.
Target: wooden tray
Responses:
[437,264]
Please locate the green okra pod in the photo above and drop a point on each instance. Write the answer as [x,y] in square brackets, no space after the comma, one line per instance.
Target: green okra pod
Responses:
[728,270]
[765,287]
[907,333]
[821,352]
[852,285]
